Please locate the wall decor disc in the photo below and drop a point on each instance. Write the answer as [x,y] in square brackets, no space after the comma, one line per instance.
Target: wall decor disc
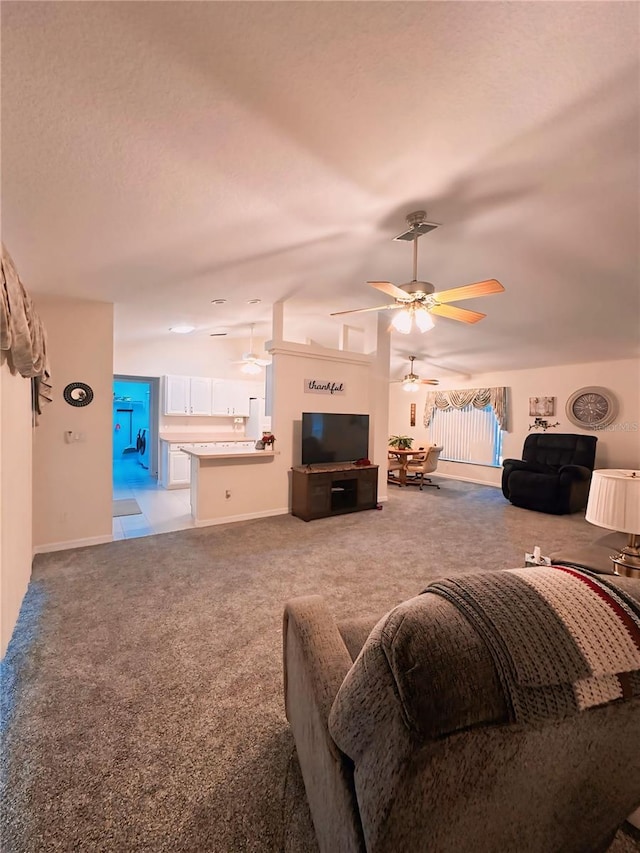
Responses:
[78,394]
[592,407]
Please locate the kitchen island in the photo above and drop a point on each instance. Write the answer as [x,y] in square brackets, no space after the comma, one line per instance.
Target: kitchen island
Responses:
[175,465]
[231,485]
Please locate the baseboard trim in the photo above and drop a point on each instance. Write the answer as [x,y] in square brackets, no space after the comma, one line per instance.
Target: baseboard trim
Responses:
[466,479]
[72,543]
[248,516]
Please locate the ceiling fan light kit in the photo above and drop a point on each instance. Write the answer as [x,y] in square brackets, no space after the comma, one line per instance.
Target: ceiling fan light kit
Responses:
[419,300]
[423,320]
[402,321]
[250,367]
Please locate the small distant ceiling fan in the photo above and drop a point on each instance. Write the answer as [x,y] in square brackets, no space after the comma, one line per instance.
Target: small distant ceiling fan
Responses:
[418,300]
[250,361]
[411,382]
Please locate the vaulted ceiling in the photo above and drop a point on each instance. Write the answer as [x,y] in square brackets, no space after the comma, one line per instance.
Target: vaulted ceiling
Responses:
[164,154]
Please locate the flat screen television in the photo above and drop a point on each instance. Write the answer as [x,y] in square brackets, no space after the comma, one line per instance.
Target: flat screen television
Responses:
[330,437]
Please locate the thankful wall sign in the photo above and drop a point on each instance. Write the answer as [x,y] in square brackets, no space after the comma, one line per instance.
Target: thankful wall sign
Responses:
[323,386]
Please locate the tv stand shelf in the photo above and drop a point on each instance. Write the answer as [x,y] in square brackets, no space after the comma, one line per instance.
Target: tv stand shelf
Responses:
[320,492]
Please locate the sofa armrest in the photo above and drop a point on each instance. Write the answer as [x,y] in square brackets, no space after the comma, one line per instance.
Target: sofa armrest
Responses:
[533,467]
[574,473]
[311,639]
[316,661]
[514,464]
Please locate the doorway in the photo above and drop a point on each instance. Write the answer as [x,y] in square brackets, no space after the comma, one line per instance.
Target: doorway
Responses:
[135,429]
[141,507]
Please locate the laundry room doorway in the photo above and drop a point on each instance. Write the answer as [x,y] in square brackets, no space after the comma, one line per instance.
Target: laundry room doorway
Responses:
[135,429]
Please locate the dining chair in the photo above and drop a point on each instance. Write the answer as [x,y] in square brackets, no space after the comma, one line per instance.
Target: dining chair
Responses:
[422,464]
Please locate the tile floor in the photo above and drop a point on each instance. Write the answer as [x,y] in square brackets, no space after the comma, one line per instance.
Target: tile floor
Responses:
[163,510]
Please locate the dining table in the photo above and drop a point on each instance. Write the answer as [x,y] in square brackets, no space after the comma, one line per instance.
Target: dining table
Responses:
[404,455]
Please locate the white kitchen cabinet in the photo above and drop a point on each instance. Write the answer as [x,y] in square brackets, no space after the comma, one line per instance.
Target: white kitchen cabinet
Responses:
[177,395]
[187,395]
[200,395]
[175,470]
[230,397]
[179,469]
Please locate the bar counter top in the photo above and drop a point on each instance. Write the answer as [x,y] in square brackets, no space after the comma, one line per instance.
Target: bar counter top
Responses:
[226,453]
[199,438]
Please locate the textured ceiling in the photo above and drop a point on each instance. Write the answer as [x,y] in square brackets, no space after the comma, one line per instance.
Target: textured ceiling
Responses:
[160,155]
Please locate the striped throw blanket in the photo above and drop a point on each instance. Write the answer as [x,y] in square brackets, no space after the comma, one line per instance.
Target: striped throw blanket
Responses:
[562,639]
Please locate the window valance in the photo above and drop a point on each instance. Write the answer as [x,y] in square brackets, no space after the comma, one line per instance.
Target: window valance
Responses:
[476,397]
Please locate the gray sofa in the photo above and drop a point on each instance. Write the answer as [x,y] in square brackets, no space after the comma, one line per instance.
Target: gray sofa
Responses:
[405,743]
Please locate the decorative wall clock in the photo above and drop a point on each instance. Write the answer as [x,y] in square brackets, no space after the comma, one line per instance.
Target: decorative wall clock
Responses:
[591,407]
[78,394]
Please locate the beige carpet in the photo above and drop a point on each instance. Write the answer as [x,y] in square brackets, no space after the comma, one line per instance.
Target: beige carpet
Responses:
[143,687]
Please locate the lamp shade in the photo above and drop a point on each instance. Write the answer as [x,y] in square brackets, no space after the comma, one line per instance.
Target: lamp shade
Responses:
[402,321]
[614,500]
[424,320]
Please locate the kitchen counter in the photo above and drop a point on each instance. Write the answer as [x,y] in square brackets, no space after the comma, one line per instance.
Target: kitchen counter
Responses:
[225,453]
[199,438]
[228,485]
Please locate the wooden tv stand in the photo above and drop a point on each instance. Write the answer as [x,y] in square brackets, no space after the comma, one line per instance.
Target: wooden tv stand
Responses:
[318,492]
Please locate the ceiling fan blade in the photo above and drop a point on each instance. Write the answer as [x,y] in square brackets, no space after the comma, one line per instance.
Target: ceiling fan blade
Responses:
[389,289]
[469,291]
[362,310]
[430,381]
[453,313]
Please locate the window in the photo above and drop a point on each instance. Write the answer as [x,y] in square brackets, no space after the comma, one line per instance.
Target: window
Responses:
[468,435]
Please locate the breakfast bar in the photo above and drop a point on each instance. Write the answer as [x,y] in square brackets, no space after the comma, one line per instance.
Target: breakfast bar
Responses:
[230,485]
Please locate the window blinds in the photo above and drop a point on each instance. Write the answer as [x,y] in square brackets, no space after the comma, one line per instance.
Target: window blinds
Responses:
[467,435]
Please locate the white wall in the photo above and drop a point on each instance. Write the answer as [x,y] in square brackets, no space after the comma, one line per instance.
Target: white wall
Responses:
[265,488]
[72,483]
[15,497]
[187,355]
[618,445]
[292,364]
[183,355]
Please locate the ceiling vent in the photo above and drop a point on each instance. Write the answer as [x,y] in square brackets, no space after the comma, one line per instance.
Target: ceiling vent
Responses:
[418,226]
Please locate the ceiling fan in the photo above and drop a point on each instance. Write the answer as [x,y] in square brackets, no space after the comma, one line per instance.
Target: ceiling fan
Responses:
[411,382]
[250,361]
[418,300]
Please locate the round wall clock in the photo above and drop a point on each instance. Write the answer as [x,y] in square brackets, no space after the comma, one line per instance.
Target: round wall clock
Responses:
[591,407]
[78,394]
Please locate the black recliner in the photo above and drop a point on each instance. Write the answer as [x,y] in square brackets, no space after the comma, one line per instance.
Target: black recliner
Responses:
[554,474]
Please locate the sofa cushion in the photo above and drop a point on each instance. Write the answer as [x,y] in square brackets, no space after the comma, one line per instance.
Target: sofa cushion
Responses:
[413,648]
[524,484]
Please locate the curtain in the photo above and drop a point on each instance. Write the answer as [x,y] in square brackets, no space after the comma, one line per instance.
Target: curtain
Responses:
[22,333]
[476,397]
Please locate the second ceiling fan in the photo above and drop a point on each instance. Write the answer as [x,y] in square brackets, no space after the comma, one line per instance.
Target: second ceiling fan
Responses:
[250,361]
[411,381]
[418,300]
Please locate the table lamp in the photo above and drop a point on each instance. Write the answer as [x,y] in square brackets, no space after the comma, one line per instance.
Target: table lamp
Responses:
[614,503]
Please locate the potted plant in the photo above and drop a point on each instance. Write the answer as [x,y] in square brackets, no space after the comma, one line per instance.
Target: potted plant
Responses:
[401,442]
